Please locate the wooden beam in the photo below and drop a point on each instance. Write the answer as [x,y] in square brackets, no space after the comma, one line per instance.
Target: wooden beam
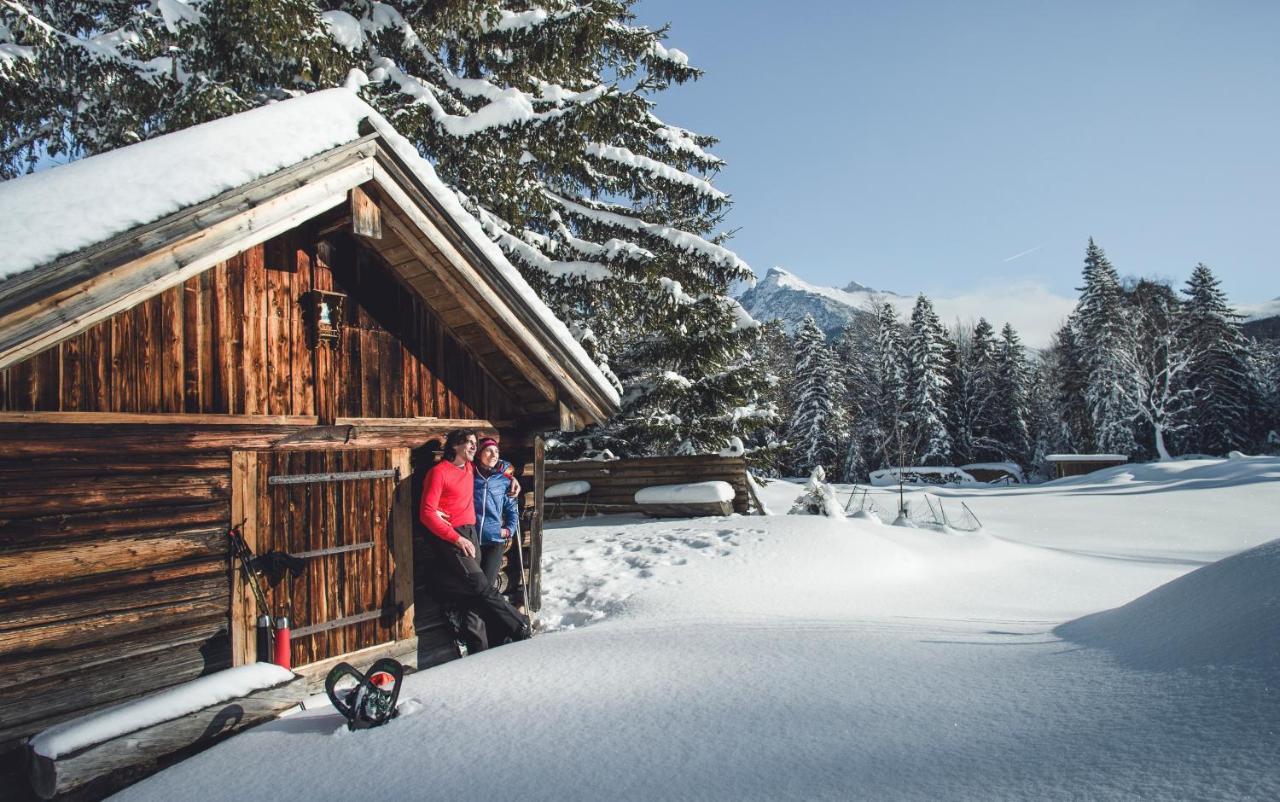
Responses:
[244,514]
[177,419]
[180,419]
[402,542]
[366,217]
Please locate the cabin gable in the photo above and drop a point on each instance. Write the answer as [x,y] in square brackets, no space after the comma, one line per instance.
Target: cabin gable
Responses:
[234,340]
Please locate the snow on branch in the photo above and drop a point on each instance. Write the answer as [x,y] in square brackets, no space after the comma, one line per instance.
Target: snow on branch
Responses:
[679,139]
[531,255]
[653,167]
[682,240]
[505,106]
[524,21]
[105,46]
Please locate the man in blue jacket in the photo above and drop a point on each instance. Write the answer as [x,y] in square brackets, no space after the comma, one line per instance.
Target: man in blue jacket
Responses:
[497,514]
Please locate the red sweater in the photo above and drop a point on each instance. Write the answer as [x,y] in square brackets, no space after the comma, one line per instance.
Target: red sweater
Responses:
[451,489]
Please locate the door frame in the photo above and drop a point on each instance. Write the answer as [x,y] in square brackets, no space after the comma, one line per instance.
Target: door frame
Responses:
[244,508]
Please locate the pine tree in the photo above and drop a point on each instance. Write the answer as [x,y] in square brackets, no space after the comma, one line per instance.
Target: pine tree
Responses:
[875,377]
[927,369]
[1264,367]
[1066,369]
[1104,337]
[1045,423]
[1011,430]
[973,395]
[541,117]
[1219,373]
[697,395]
[814,429]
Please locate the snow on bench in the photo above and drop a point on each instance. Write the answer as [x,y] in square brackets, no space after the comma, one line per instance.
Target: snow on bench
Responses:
[922,475]
[566,489]
[74,752]
[687,500]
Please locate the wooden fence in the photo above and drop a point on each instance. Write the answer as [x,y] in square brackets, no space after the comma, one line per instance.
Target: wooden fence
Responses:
[614,482]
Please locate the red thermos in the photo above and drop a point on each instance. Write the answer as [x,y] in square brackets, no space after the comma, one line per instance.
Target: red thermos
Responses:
[282,643]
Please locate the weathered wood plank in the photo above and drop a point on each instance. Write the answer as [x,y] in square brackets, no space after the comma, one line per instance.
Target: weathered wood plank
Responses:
[244,473]
[35,497]
[96,585]
[118,601]
[67,561]
[83,631]
[366,218]
[173,350]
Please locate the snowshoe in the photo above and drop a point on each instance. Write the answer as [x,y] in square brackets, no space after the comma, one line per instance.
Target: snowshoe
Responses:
[365,700]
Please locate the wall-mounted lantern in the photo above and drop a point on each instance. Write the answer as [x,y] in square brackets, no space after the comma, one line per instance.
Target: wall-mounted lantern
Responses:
[325,312]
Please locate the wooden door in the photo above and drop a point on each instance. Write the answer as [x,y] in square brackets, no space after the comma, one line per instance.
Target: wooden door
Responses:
[346,514]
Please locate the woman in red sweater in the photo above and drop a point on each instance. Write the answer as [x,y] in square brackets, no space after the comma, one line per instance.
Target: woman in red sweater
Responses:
[448,512]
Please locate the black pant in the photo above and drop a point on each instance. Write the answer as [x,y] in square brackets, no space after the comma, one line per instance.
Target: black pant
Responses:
[488,618]
[491,559]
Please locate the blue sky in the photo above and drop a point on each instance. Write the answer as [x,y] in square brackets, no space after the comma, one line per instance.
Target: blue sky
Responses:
[947,146]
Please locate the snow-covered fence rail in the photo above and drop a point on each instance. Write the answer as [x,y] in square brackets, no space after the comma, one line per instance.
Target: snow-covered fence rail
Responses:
[614,483]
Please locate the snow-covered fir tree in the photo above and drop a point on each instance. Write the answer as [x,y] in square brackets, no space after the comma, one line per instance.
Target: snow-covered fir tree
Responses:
[973,399]
[540,116]
[1010,431]
[927,368]
[1219,371]
[1069,378]
[1045,423]
[875,375]
[695,394]
[1159,364]
[815,429]
[1264,368]
[1104,337]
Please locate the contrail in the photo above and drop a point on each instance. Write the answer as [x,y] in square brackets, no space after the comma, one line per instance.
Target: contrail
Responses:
[1024,253]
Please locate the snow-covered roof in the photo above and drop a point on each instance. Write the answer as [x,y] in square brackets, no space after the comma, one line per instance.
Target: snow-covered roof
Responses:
[53,214]
[1086,458]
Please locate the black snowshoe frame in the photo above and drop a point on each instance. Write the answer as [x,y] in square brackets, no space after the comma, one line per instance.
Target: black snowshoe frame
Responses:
[365,705]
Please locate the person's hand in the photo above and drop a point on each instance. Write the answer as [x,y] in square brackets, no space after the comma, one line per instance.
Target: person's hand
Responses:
[465,546]
[444,516]
[506,533]
[515,488]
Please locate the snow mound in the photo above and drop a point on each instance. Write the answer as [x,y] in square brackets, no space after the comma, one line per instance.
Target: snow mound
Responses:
[1224,614]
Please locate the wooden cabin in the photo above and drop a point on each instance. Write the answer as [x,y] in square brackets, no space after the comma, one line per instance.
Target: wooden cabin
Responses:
[267,322]
[1065,465]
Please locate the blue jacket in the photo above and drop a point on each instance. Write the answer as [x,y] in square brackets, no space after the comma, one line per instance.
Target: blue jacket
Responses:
[494,508]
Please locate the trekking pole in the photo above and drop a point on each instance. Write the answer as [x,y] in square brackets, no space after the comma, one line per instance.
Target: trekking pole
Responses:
[524,583]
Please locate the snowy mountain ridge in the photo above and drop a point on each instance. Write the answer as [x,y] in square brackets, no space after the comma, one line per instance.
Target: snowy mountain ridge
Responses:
[1034,310]
[782,295]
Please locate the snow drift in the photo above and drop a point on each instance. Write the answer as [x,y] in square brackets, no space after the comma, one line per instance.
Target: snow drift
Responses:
[1224,614]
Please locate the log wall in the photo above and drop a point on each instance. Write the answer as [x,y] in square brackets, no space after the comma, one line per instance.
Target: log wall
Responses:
[113,577]
[614,483]
[233,341]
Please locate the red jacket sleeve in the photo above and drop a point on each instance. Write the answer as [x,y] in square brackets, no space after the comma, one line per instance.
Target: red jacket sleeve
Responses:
[432,486]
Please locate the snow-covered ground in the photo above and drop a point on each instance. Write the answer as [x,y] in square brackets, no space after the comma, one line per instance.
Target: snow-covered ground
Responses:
[799,657]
